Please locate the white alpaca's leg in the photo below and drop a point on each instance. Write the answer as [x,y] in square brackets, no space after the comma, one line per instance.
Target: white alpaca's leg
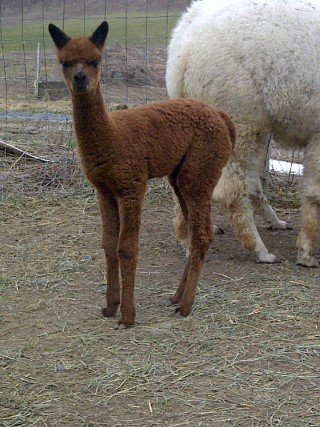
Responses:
[258,199]
[240,185]
[308,235]
[310,209]
[261,206]
[232,194]
[270,216]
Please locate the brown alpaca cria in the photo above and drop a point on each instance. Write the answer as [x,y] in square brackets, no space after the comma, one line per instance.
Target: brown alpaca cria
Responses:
[185,140]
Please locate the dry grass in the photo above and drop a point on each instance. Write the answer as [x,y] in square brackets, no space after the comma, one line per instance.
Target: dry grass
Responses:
[247,356]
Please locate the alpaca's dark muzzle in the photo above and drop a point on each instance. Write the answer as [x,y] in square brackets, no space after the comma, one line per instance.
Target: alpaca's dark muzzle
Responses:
[80,82]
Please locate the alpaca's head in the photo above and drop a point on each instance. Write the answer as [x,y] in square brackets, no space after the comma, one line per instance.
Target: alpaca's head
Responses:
[80,57]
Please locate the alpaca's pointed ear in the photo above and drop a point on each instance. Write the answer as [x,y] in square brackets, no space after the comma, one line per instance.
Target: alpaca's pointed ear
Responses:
[58,36]
[99,36]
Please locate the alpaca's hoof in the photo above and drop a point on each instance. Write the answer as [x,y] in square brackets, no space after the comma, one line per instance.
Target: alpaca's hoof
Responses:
[307,261]
[171,301]
[286,226]
[283,225]
[124,324]
[127,319]
[182,312]
[268,259]
[121,326]
[174,300]
[177,315]
[109,311]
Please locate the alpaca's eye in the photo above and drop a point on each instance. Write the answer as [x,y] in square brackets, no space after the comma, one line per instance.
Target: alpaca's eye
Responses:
[65,65]
[95,63]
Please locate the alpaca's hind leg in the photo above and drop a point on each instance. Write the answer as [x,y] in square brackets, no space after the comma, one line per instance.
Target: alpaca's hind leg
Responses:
[233,190]
[110,223]
[181,227]
[237,193]
[233,197]
[268,214]
[308,236]
[310,207]
[198,235]
[193,187]
[201,237]
[130,221]
[182,232]
[176,298]
[253,173]
[260,203]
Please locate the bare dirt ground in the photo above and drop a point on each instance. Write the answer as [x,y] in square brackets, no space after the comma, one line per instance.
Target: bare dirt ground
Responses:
[248,355]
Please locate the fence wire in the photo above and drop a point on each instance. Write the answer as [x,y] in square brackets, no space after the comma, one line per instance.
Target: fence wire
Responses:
[34,103]
[35,110]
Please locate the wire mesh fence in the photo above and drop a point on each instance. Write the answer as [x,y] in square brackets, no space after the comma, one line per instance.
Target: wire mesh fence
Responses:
[35,113]
[35,110]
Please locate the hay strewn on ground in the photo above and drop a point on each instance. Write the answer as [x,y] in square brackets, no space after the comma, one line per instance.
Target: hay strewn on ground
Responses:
[247,356]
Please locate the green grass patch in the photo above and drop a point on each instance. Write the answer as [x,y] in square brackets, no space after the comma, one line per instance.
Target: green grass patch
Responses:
[133,30]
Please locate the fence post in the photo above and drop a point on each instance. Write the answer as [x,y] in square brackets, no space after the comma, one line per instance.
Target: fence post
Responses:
[36,83]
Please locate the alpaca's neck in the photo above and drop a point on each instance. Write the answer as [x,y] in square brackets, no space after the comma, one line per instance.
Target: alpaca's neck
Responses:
[90,120]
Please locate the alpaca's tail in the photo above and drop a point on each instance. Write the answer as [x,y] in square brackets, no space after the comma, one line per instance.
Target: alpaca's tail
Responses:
[230,125]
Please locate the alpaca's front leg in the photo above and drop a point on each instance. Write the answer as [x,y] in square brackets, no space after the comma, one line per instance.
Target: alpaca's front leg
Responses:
[176,298]
[111,226]
[130,220]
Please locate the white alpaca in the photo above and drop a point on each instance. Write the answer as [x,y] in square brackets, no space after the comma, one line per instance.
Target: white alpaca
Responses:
[259,61]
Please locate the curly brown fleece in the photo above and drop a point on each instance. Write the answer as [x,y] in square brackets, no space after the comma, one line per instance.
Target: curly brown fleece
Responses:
[185,140]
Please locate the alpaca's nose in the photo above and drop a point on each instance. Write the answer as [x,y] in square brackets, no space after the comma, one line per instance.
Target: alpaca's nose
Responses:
[80,81]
